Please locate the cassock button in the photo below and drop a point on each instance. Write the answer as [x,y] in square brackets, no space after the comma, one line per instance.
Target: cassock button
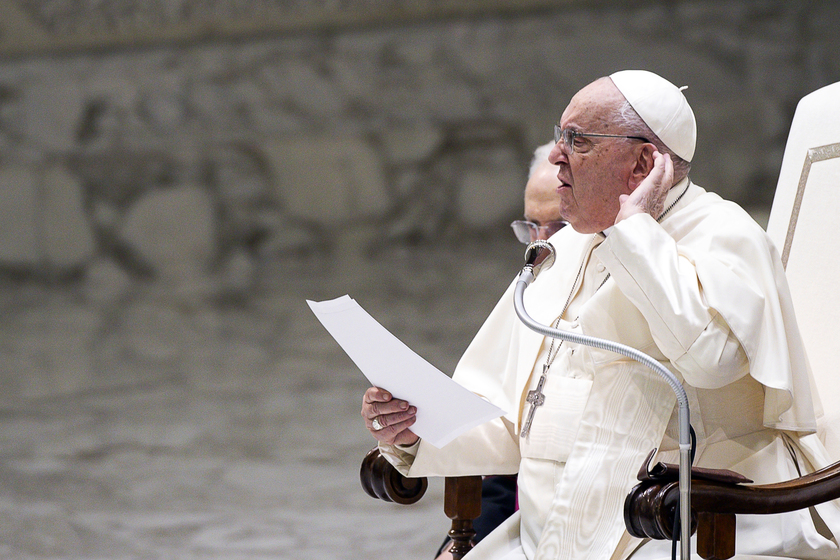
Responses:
[574,324]
[600,267]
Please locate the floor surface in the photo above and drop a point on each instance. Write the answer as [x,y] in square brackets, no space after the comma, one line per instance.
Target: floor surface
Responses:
[175,426]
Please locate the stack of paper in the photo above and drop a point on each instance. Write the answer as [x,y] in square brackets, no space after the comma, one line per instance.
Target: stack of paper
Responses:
[445,409]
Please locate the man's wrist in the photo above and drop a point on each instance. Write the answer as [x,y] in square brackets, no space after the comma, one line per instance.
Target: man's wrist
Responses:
[409,448]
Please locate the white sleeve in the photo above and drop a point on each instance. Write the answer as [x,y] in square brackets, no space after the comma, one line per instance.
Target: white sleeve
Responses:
[491,448]
[401,456]
[660,280]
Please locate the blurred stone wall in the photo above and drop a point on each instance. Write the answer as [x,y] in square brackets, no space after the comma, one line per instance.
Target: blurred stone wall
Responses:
[203,150]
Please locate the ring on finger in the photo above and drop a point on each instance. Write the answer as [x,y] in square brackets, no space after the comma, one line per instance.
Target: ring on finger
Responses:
[377,425]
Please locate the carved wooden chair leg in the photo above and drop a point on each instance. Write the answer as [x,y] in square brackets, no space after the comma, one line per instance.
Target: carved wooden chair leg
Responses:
[462,504]
[715,535]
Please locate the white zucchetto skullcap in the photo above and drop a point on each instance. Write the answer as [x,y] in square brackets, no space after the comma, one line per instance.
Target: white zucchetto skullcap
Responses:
[662,106]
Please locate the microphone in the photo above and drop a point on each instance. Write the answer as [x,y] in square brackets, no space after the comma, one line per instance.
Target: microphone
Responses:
[541,255]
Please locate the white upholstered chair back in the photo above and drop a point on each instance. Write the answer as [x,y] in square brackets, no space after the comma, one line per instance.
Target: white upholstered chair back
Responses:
[803,224]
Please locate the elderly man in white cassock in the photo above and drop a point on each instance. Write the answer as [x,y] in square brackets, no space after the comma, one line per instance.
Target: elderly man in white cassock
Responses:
[655,262]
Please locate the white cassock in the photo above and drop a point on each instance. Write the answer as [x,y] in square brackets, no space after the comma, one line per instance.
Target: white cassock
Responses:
[704,293]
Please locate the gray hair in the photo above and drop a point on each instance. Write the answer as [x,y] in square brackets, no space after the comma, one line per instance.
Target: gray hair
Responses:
[630,121]
[540,156]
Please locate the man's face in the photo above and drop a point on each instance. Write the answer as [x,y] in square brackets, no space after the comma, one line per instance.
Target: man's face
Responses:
[542,203]
[597,172]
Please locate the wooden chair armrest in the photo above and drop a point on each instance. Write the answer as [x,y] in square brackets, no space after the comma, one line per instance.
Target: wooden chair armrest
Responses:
[650,506]
[381,480]
[461,498]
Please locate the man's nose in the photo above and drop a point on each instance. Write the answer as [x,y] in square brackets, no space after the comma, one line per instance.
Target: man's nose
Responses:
[558,153]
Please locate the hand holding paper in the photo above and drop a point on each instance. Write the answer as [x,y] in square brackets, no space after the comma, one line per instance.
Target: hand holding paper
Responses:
[445,409]
[389,420]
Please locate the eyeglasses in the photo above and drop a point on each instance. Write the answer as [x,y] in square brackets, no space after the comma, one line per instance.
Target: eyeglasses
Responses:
[569,137]
[526,231]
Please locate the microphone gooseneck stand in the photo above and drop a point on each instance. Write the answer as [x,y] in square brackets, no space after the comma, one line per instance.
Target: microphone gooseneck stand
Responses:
[540,255]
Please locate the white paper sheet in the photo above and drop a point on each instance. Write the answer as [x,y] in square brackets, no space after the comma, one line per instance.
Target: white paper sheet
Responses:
[445,409]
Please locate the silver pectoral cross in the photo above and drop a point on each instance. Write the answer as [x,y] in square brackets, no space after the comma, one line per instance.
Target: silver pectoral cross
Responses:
[536,398]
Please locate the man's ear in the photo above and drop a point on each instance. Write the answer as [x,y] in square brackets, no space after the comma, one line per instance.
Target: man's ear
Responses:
[642,165]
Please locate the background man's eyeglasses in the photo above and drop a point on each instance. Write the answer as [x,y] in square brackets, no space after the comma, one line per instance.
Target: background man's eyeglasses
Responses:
[568,136]
[526,231]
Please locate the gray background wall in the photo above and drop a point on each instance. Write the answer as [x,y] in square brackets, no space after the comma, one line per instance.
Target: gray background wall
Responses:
[253,146]
[176,177]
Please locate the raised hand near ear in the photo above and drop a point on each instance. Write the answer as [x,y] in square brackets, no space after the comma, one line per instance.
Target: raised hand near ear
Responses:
[649,196]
